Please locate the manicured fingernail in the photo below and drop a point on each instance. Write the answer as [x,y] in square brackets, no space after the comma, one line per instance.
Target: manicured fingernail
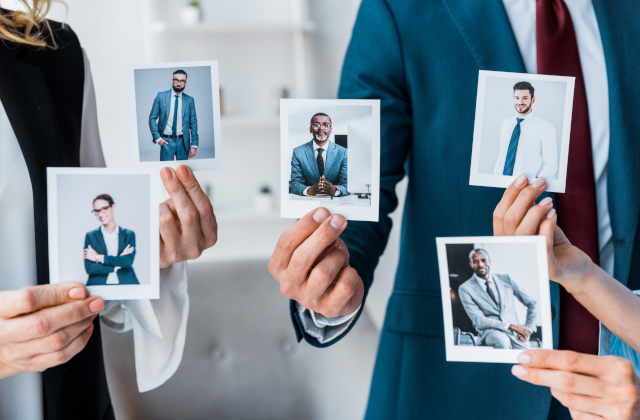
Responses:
[337,221]
[551,213]
[77,293]
[89,329]
[545,201]
[96,306]
[166,174]
[539,182]
[519,371]
[183,172]
[320,215]
[524,358]
[521,180]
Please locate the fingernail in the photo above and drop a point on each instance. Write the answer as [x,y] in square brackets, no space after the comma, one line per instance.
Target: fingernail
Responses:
[337,221]
[545,201]
[320,215]
[551,213]
[77,293]
[519,371]
[166,174]
[524,358]
[89,328]
[521,180]
[183,172]
[539,182]
[96,306]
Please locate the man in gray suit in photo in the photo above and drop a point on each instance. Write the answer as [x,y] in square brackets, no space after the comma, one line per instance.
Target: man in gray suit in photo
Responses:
[488,300]
[173,121]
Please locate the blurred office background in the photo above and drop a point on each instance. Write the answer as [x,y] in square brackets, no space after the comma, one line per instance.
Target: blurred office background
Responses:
[241,358]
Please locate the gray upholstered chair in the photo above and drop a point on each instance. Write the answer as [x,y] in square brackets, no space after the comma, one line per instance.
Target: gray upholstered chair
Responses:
[241,359]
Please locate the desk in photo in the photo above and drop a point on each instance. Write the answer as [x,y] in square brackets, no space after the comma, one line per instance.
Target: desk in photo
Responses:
[347,200]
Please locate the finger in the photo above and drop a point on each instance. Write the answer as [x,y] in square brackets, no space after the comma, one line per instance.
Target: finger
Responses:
[561,380]
[185,208]
[324,274]
[305,255]
[532,219]
[55,341]
[547,229]
[584,403]
[291,239]
[346,294]
[581,415]
[521,205]
[44,361]
[208,225]
[33,298]
[48,320]
[508,198]
[569,361]
[169,232]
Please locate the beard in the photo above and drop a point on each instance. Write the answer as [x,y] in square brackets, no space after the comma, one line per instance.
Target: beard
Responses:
[524,111]
[178,89]
[320,138]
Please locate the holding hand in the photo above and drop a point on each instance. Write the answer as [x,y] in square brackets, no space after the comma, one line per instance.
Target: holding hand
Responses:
[44,326]
[311,263]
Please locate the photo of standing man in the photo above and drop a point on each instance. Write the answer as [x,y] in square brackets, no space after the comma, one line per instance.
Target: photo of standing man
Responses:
[527,142]
[173,121]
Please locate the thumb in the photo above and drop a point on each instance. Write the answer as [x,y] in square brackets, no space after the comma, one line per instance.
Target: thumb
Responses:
[90,247]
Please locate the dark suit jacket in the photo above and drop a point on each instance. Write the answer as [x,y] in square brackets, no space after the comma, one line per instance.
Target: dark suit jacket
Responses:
[304,167]
[98,273]
[43,101]
[421,58]
[160,114]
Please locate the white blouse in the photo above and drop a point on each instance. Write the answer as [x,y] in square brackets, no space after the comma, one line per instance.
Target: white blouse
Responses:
[159,326]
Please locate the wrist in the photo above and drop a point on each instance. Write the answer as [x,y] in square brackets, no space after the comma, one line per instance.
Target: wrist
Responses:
[582,284]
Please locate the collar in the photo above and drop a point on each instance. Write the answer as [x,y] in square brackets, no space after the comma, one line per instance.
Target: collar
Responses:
[483,281]
[316,147]
[173,93]
[104,231]
[529,117]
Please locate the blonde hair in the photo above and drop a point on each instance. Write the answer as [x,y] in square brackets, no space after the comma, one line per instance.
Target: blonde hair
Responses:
[28,27]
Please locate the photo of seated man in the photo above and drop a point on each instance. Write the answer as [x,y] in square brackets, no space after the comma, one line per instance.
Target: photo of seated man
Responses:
[527,142]
[109,250]
[173,122]
[488,300]
[319,167]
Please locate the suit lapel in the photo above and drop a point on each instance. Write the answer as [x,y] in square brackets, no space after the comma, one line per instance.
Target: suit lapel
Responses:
[313,164]
[502,291]
[121,240]
[101,242]
[485,27]
[483,293]
[620,33]
[167,100]
[332,150]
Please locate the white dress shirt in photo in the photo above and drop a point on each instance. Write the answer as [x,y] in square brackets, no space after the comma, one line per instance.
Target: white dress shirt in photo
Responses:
[522,17]
[537,152]
[111,241]
[168,129]
[324,159]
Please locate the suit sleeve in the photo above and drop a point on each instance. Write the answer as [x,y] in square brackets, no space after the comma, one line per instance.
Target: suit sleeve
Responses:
[529,302]
[193,124]
[549,153]
[480,322]
[124,261]
[374,73]
[342,181]
[153,119]
[297,179]
[92,267]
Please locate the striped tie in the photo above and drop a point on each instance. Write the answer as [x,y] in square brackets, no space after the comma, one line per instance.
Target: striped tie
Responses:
[510,161]
[320,162]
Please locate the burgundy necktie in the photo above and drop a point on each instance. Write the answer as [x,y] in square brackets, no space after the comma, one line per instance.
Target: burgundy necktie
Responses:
[557,50]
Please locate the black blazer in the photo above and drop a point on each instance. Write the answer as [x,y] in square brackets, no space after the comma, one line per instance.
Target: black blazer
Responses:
[42,93]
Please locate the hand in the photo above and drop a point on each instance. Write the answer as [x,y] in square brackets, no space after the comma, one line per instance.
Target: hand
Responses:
[90,254]
[521,331]
[516,214]
[192,152]
[592,387]
[115,269]
[44,326]
[187,223]
[127,250]
[326,186]
[311,263]
[315,189]
[162,141]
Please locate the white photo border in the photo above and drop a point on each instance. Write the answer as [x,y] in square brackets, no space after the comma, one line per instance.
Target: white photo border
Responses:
[111,292]
[503,181]
[488,354]
[195,165]
[297,209]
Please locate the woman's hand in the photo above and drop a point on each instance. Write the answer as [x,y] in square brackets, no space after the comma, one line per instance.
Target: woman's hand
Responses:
[591,387]
[517,214]
[127,250]
[44,326]
[90,254]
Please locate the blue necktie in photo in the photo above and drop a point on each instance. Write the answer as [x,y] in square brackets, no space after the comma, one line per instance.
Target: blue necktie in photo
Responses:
[174,129]
[510,160]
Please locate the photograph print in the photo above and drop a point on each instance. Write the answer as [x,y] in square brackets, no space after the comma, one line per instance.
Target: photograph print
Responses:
[495,297]
[176,115]
[103,230]
[330,157]
[522,125]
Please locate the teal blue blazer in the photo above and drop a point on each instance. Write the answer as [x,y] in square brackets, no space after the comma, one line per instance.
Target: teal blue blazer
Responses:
[160,114]
[304,167]
[421,59]
[97,272]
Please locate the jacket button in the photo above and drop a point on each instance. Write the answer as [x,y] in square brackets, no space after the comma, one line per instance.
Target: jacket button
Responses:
[621,241]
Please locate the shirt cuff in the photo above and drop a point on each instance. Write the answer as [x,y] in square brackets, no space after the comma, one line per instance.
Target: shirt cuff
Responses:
[304,192]
[322,330]
[195,147]
[322,321]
